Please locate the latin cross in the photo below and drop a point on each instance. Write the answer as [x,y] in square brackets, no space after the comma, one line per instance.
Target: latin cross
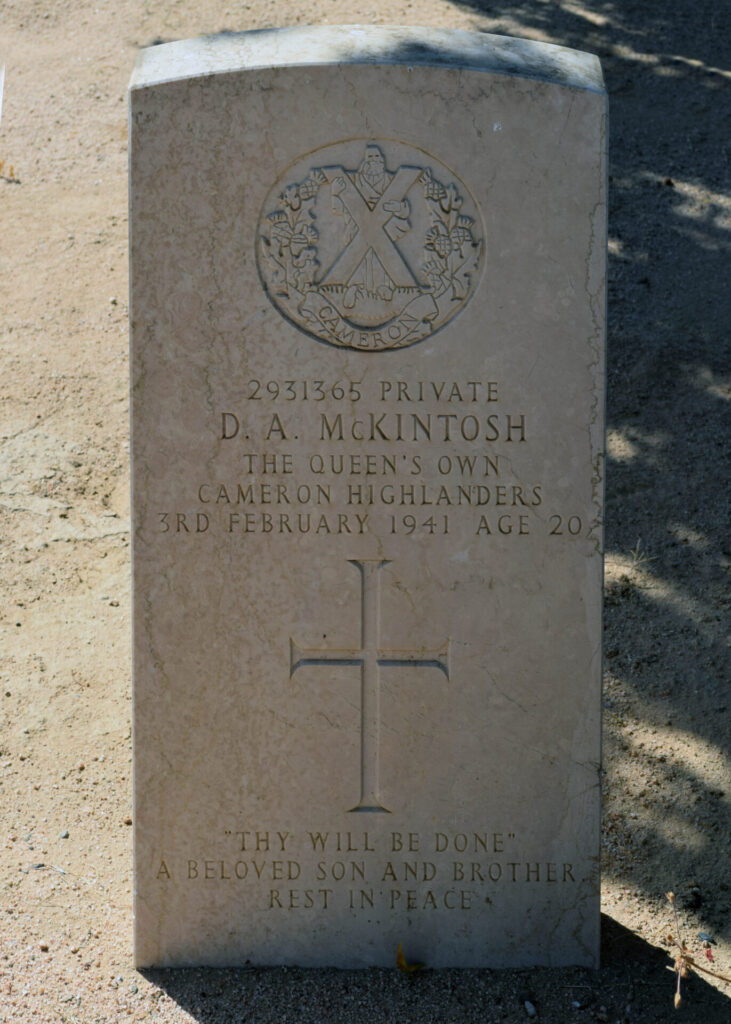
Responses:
[370,658]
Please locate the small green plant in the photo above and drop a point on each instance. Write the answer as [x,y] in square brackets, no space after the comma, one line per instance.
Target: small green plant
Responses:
[685,960]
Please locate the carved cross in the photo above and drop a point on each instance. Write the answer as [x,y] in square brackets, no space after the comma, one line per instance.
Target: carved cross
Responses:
[370,658]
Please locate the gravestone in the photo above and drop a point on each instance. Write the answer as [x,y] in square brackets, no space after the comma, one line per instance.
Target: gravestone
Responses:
[367,381]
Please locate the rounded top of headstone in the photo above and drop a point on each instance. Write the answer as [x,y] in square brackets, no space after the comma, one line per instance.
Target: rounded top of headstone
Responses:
[366,44]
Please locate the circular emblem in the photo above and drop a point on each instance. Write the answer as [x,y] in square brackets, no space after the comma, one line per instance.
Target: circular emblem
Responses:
[369,245]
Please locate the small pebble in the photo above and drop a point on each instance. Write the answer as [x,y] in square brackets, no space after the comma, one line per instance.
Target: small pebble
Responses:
[64,834]
[529,1008]
[44,947]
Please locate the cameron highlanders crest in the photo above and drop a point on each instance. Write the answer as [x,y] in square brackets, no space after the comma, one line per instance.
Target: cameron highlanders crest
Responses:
[369,245]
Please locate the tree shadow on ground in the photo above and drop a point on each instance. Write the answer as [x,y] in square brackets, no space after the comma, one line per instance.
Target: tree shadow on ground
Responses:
[633,984]
[666,721]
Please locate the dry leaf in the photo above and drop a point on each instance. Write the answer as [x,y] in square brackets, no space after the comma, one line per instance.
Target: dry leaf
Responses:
[401,962]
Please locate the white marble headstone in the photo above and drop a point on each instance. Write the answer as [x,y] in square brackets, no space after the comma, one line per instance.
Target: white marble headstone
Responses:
[367,374]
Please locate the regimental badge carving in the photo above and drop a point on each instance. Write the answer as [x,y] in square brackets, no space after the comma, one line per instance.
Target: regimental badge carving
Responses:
[369,245]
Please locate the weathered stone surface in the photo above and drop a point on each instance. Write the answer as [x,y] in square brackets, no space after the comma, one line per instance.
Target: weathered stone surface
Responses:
[367,357]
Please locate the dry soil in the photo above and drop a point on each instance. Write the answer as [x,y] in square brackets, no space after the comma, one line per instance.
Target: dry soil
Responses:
[65,850]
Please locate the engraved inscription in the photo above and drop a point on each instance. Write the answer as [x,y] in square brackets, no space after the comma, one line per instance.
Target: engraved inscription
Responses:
[369,245]
[346,456]
[403,872]
[370,658]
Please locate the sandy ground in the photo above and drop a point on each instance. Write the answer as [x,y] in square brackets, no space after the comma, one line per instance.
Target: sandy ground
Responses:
[65,763]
